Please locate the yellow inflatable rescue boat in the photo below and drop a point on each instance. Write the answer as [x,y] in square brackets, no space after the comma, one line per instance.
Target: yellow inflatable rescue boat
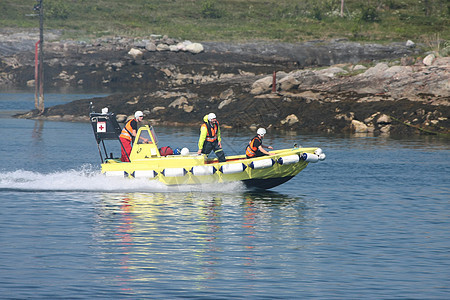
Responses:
[146,161]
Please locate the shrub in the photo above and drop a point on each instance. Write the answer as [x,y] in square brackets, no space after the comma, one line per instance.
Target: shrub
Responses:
[445,51]
[209,10]
[317,13]
[369,14]
[56,9]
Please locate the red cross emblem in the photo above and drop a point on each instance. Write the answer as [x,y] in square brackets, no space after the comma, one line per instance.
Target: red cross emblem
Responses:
[101,126]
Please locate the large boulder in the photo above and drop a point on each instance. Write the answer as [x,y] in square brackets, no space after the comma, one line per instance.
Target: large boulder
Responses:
[262,85]
[377,71]
[135,52]
[162,47]
[359,126]
[429,59]
[290,120]
[195,48]
[288,82]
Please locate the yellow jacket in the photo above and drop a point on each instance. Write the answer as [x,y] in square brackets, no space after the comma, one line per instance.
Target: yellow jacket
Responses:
[204,133]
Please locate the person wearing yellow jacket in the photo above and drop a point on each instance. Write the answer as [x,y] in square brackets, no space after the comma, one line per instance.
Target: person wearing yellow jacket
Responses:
[210,137]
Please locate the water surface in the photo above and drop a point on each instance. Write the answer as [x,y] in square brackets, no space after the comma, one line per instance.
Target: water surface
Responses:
[371,221]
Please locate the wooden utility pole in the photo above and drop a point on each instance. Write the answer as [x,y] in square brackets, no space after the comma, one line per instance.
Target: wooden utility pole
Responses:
[39,72]
[342,8]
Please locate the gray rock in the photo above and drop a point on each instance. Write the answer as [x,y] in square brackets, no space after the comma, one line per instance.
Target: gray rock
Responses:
[376,71]
[288,82]
[195,48]
[429,59]
[359,126]
[331,72]
[224,103]
[179,102]
[174,48]
[140,44]
[227,94]
[359,68]
[261,85]
[384,119]
[162,47]
[290,120]
[410,44]
[121,118]
[317,53]
[135,52]
[150,46]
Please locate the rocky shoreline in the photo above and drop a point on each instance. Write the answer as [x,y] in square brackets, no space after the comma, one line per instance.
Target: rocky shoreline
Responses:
[321,86]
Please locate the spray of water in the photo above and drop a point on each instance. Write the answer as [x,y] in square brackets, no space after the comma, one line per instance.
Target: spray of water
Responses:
[89,178]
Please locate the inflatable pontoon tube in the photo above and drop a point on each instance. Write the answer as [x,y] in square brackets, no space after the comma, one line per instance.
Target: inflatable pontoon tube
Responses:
[174,172]
[260,164]
[232,168]
[144,174]
[310,157]
[203,170]
[290,159]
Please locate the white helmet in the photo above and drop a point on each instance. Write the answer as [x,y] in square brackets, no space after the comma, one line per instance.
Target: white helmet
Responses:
[184,151]
[261,131]
[211,116]
[138,114]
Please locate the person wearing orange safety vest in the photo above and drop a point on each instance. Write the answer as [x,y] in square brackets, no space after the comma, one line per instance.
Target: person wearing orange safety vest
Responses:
[128,134]
[255,146]
[210,137]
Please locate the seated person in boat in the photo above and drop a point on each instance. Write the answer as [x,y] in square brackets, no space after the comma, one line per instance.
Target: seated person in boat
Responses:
[255,146]
[128,134]
[210,137]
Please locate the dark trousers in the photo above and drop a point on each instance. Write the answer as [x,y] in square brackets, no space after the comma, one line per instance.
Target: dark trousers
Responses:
[257,154]
[210,146]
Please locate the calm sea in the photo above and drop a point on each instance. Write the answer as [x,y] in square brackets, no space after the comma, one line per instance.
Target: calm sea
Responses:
[372,221]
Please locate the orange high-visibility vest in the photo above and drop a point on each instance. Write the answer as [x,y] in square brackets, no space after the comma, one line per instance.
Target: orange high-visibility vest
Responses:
[251,149]
[212,130]
[127,130]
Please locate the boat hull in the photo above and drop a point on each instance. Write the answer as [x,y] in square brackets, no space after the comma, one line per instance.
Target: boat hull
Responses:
[266,183]
[262,172]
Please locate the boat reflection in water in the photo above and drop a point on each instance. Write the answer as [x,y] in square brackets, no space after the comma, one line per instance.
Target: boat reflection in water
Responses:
[200,237]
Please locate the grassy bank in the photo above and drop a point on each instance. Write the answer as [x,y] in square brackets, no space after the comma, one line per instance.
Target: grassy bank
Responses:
[240,20]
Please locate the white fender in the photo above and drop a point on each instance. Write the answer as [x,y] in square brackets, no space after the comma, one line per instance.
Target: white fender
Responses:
[174,172]
[322,156]
[260,164]
[290,159]
[232,168]
[144,174]
[115,173]
[203,170]
[310,157]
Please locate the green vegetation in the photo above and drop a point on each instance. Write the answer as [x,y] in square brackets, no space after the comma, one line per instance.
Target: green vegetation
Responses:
[240,20]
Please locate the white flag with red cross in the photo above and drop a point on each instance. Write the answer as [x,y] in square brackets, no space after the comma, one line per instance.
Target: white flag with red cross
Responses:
[101,126]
